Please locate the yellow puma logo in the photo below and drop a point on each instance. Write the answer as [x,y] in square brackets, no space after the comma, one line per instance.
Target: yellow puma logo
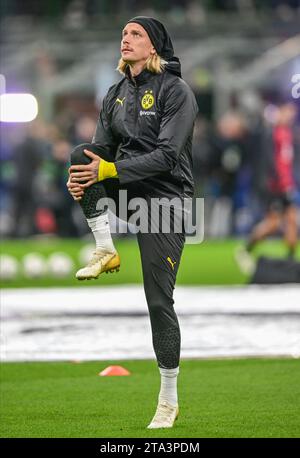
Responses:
[171,262]
[120,101]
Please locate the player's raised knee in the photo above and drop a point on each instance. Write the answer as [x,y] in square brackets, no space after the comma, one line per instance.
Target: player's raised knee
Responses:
[78,156]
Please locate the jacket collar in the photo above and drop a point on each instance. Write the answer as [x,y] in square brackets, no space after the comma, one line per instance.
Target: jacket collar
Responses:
[141,78]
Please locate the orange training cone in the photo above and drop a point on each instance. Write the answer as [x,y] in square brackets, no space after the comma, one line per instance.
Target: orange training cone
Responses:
[114,370]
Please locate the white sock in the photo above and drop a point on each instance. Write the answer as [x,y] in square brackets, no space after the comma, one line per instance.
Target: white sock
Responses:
[168,387]
[101,230]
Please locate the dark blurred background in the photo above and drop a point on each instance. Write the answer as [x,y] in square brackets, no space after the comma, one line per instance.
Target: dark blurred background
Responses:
[241,57]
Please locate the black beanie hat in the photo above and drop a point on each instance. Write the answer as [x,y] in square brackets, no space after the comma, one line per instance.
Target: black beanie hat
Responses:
[158,35]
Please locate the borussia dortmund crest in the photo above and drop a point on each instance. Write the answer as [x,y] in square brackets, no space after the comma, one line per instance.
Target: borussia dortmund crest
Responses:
[147,100]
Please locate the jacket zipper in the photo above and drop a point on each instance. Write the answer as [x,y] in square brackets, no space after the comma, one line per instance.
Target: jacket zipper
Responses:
[136,109]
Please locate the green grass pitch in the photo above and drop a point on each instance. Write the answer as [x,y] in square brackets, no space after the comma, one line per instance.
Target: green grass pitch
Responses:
[211,262]
[218,398]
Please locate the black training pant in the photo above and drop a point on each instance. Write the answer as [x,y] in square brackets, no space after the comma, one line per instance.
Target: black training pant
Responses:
[160,256]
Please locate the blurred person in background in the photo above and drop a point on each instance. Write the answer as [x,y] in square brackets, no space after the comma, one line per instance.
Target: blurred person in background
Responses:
[84,128]
[227,152]
[275,169]
[59,201]
[28,159]
[143,144]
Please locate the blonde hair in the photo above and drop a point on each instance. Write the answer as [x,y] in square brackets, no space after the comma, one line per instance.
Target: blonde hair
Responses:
[154,63]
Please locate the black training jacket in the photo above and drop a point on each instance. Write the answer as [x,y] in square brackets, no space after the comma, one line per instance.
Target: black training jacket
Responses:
[146,124]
